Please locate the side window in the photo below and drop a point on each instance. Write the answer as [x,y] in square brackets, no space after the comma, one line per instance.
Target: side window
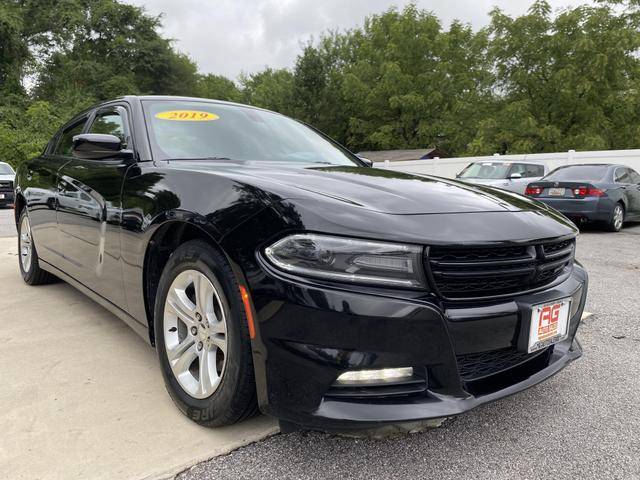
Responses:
[111,123]
[622,175]
[534,171]
[518,168]
[635,176]
[65,144]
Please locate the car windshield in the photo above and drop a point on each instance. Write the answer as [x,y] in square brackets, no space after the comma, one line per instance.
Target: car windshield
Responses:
[587,173]
[5,169]
[489,170]
[207,130]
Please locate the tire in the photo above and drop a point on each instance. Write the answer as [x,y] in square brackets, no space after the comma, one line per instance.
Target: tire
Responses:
[616,219]
[221,389]
[30,269]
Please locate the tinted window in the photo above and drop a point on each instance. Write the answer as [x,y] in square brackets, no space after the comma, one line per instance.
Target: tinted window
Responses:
[534,171]
[65,145]
[490,170]
[589,173]
[5,169]
[109,123]
[183,130]
[527,170]
[635,176]
[622,175]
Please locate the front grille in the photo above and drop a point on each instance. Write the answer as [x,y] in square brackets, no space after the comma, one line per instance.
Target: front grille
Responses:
[475,366]
[479,271]
[6,186]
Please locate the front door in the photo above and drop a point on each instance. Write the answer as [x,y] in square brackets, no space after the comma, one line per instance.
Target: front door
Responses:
[90,211]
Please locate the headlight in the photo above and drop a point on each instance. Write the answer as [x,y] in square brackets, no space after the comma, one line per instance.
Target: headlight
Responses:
[349,260]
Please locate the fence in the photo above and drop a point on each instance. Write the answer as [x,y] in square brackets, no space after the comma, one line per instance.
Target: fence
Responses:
[449,167]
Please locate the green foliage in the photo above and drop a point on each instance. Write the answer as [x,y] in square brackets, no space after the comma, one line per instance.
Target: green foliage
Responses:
[272,89]
[569,81]
[542,81]
[217,87]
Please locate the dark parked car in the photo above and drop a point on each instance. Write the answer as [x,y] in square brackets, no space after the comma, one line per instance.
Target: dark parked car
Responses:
[7,176]
[604,193]
[272,269]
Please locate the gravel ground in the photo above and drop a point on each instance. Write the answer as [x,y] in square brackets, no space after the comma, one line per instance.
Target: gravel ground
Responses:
[7,225]
[582,423]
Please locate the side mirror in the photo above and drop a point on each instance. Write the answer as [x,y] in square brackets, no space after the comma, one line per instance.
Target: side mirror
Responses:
[366,161]
[97,146]
[515,175]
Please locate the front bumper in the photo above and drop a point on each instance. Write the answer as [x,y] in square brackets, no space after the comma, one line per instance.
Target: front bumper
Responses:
[7,198]
[309,334]
[592,209]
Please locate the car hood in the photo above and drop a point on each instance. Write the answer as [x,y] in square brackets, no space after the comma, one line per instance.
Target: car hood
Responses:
[7,177]
[379,190]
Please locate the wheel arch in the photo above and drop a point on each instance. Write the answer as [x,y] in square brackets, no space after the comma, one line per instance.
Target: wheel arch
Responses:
[165,240]
[19,204]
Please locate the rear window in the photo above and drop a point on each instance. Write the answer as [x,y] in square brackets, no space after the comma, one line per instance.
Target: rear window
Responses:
[587,173]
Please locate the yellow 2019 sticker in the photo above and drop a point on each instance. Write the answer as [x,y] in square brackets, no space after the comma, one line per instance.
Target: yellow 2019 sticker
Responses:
[187,116]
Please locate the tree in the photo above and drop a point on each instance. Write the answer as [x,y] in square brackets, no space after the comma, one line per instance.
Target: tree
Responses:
[272,89]
[75,53]
[563,82]
[115,50]
[217,87]
[411,84]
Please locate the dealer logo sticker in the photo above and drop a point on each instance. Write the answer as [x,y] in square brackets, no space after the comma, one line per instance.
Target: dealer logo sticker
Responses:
[548,321]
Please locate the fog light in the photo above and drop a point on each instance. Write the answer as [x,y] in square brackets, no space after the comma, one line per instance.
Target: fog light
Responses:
[375,375]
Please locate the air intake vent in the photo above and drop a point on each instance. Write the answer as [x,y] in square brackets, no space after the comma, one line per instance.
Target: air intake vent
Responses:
[475,366]
[478,271]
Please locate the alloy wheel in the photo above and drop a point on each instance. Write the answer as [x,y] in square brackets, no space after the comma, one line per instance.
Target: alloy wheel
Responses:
[618,217]
[195,333]
[26,244]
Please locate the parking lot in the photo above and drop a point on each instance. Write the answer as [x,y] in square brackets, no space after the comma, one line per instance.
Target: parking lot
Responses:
[583,423]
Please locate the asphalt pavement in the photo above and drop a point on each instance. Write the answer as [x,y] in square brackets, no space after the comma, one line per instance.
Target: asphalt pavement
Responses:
[582,423]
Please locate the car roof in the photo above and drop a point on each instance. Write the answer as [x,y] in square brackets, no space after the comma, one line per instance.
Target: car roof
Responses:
[527,162]
[607,165]
[174,98]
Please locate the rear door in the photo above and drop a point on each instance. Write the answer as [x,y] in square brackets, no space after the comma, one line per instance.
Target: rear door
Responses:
[40,192]
[90,210]
[528,173]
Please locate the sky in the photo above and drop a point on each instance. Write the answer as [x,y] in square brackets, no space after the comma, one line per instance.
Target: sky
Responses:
[228,37]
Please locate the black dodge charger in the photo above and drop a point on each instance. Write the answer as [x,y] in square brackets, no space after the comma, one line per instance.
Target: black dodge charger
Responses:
[272,269]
